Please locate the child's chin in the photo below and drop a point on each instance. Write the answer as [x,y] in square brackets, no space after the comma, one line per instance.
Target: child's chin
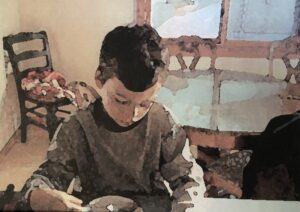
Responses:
[124,124]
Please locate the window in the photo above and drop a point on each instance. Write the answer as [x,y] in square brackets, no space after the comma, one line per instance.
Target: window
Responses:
[175,18]
[218,33]
[265,20]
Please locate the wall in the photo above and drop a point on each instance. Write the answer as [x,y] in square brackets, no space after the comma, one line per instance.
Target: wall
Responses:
[75,29]
[9,18]
[9,116]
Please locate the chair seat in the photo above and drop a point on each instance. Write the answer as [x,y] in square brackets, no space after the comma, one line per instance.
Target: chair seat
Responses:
[46,99]
[47,87]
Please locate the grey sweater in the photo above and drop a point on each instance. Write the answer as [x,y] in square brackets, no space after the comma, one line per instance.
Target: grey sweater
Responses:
[105,159]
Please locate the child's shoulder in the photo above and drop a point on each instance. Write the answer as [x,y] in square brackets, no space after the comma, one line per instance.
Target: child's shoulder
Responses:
[159,110]
[164,115]
[73,121]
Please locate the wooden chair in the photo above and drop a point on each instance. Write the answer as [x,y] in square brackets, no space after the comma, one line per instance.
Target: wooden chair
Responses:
[51,107]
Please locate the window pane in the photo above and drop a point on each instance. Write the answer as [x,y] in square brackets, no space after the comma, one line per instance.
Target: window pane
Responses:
[174,18]
[260,19]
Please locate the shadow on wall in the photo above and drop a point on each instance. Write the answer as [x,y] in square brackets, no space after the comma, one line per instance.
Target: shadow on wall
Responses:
[9,112]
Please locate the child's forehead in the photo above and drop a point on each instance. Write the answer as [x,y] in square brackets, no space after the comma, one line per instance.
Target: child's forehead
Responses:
[116,87]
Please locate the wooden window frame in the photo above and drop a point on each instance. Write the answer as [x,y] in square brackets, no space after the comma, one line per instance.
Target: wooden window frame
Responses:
[221,47]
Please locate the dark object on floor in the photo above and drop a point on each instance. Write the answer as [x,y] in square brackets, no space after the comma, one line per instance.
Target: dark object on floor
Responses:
[274,184]
[15,58]
[7,202]
[278,144]
[11,200]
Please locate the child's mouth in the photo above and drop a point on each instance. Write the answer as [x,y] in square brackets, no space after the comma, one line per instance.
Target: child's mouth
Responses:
[124,123]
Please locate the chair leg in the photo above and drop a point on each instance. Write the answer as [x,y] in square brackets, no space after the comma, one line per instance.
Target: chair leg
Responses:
[52,121]
[23,127]
[24,119]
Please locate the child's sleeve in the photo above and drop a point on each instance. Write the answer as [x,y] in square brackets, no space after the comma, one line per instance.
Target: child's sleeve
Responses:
[184,175]
[58,171]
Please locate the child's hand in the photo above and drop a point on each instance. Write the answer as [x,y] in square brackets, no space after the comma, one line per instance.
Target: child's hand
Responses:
[54,200]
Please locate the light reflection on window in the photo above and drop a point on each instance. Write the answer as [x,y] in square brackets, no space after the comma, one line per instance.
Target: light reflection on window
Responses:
[174,18]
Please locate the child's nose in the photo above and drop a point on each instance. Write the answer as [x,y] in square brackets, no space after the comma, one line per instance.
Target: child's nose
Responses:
[136,114]
[128,114]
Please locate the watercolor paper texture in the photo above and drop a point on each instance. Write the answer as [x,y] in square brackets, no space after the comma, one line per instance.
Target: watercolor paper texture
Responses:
[232,82]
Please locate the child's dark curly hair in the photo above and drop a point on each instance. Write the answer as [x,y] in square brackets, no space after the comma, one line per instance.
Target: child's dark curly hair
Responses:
[132,54]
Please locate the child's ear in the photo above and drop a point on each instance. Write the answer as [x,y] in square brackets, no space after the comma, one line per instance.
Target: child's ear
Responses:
[97,78]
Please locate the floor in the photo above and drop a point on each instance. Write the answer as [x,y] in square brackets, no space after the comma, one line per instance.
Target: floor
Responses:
[19,160]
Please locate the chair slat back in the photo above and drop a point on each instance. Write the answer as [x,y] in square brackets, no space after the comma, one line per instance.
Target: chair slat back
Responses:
[16,58]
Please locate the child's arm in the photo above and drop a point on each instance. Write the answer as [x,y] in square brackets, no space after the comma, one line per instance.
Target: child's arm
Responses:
[53,177]
[179,168]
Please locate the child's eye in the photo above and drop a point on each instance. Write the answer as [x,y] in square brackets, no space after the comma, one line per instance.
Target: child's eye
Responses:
[120,101]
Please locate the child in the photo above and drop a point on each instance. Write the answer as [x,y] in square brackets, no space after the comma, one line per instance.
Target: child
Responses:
[125,144]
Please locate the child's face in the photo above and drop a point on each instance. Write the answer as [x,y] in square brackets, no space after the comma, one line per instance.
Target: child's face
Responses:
[124,106]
